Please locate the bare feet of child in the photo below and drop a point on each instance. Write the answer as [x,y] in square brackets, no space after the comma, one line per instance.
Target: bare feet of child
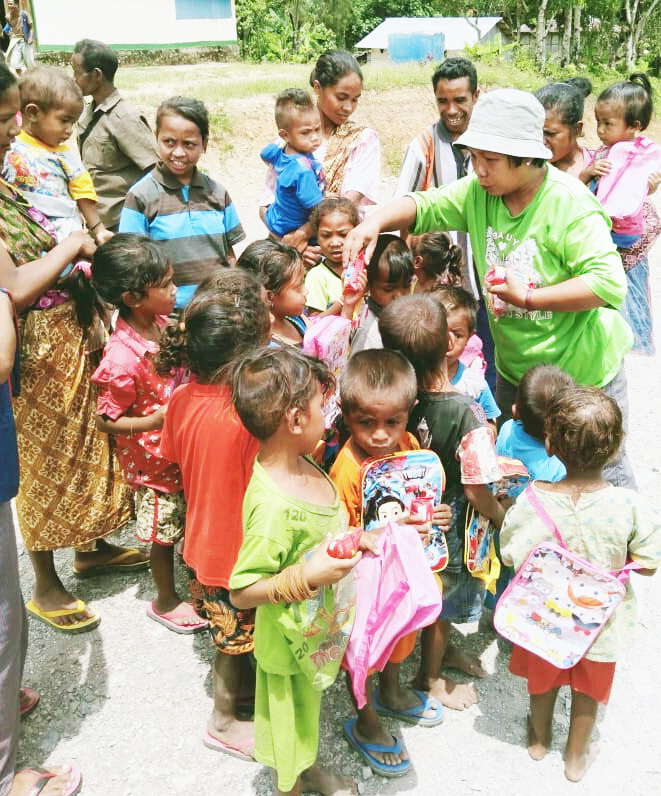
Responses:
[455,658]
[576,768]
[537,748]
[456,696]
[321,780]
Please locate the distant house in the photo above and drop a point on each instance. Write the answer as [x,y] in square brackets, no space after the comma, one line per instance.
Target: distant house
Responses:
[553,38]
[134,24]
[457,32]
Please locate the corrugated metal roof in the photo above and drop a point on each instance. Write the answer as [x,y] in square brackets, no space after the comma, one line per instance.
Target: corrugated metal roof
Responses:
[458,31]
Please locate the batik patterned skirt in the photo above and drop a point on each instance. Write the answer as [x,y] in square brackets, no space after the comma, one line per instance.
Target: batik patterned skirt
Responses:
[72,490]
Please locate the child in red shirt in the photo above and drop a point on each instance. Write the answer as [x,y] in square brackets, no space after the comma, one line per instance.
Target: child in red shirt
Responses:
[226,318]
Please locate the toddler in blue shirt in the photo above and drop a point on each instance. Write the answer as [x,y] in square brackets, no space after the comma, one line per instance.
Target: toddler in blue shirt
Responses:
[523,437]
[461,311]
[299,176]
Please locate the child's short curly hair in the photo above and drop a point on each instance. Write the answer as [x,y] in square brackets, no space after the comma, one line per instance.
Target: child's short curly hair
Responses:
[270,382]
[333,204]
[535,392]
[226,318]
[584,427]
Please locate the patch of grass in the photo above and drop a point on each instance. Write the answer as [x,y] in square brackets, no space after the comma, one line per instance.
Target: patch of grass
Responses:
[382,76]
[220,128]
[210,82]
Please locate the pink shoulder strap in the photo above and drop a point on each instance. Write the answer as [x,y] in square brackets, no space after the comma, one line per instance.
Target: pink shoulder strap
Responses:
[543,515]
[620,574]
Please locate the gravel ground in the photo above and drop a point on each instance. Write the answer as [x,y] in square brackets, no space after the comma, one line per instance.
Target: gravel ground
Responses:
[129,701]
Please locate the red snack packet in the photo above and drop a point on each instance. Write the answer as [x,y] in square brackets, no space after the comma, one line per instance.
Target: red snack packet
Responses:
[345,546]
[353,272]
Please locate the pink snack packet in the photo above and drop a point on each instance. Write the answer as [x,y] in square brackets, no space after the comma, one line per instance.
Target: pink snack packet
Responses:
[354,271]
[496,275]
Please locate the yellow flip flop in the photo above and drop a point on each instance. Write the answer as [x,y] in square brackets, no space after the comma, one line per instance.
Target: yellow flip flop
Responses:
[118,563]
[47,617]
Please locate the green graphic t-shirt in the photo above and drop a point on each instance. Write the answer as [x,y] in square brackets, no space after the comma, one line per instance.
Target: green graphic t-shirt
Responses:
[277,531]
[563,233]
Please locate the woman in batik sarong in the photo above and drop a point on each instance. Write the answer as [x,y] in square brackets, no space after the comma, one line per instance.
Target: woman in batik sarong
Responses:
[350,152]
[72,493]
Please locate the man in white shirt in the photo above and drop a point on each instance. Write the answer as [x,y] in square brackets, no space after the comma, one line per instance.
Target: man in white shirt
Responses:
[432,160]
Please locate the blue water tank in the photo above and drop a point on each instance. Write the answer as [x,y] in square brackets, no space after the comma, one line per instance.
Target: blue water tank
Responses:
[416,46]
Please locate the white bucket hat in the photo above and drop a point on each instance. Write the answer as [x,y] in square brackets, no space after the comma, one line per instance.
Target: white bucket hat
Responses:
[507,121]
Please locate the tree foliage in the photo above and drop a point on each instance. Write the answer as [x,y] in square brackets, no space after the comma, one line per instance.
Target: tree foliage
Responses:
[598,32]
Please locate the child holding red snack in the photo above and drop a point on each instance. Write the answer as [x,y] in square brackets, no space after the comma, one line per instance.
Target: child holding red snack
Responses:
[290,508]
[226,318]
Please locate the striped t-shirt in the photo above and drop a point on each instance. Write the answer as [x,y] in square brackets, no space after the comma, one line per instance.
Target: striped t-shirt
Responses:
[197,222]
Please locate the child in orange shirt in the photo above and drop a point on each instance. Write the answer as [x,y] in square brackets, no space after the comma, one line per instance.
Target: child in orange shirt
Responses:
[377,392]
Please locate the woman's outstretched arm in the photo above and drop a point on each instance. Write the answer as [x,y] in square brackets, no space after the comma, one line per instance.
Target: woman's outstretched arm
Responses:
[27,282]
[396,215]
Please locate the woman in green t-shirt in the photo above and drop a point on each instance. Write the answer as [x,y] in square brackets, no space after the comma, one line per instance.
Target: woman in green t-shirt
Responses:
[563,279]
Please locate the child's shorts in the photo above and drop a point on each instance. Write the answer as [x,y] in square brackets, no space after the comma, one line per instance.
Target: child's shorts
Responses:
[592,678]
[159,516]
[403,648]
[231,629]
[463,596]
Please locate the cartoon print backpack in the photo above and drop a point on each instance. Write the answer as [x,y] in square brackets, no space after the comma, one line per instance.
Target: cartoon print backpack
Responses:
[558,603]
[479,546]
[408,483]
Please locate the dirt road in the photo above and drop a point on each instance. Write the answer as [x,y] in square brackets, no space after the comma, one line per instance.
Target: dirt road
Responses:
[130,700]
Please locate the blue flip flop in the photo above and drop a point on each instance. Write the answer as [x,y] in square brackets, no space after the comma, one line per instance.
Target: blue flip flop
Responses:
[366,751]
[413,715]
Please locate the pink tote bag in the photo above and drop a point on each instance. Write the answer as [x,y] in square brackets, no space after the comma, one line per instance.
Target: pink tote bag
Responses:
[396,594]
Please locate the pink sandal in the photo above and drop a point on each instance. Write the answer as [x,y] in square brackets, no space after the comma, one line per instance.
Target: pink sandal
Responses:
[169,619]
[241,750]
[28,700]
[44,777]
